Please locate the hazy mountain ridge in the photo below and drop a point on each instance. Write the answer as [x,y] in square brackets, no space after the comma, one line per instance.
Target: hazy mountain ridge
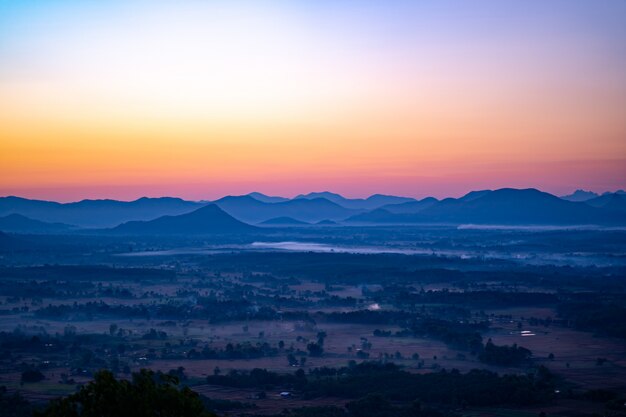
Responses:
[96,213]
[503,206]
[267,198]
[584,195]
[248,209]
[372,202]
[580,195]
[614,201]
[411,206]
[18,223]
[284,220]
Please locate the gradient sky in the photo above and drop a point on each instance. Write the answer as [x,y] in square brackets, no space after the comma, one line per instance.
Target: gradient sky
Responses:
[122,99]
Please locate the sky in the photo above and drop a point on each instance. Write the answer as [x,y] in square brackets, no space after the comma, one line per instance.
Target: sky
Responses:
[200,99]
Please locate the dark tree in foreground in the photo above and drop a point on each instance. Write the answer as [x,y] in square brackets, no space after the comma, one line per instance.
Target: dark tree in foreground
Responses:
[13,405]
[148,394]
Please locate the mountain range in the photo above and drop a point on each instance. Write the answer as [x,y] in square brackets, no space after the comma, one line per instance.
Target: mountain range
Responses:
[267,198]
[16,223]
[249,209]
[411,206]
[96,213]
[504,206]
[583,195]
[369,203]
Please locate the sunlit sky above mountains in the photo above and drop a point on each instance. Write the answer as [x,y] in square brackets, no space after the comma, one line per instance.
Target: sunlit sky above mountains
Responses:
[122,99]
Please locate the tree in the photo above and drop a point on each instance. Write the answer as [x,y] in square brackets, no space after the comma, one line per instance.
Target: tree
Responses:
[13,405]
[179,373]
[148,394]
[315,349]
[320,337]
[504,355]
[32,375]
[292,360]
[371,405]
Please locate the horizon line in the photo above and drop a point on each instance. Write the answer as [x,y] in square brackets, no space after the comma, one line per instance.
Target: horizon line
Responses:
[271,195]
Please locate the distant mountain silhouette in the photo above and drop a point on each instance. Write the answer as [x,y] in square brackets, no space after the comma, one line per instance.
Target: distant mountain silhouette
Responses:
[266,198]
[326,222]
[411,206]
[580,195]
[376,216]
[504,206]
[613,202]
[284,221]
[16,223]
[615,192]
[206,220]
[248,209]
[372,202]
[380,200]
[334,197]
[473,195]
[513,206]
[96,213]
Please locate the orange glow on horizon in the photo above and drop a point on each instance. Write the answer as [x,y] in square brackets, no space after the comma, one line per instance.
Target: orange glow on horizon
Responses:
[264,100]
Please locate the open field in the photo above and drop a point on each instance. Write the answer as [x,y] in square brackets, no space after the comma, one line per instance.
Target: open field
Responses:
[205,316]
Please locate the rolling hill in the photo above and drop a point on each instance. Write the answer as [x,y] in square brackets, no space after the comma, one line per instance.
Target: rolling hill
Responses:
[279,221]
[16,223]
[206,220]
[326,222]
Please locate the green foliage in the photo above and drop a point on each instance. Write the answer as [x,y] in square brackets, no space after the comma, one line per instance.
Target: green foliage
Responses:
[149,394]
